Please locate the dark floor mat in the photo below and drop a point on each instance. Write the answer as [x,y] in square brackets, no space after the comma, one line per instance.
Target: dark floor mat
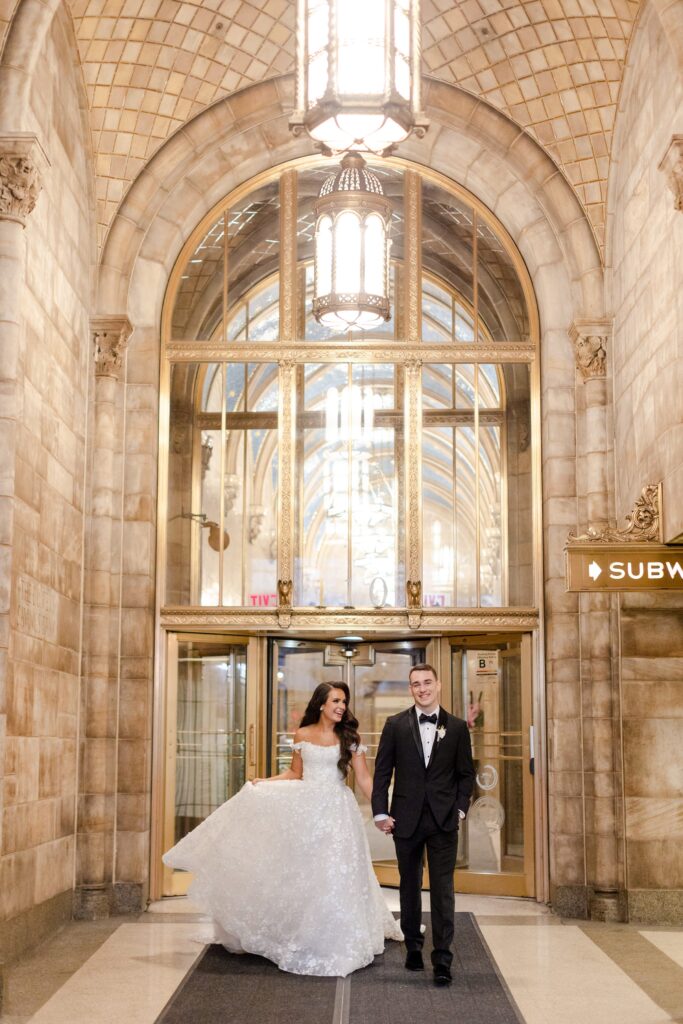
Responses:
[388,994]
[247,989]
[230,989]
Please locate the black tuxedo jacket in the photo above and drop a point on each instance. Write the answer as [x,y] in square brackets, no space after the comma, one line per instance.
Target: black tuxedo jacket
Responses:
[446,783]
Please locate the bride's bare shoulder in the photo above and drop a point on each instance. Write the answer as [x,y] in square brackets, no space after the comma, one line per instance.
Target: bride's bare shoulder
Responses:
[302,733]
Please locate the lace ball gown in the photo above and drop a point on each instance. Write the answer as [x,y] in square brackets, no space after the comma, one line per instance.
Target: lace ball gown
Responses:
[284,870]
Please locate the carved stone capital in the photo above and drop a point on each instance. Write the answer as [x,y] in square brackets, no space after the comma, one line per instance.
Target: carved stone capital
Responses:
[110,336]
[672,166]
[23,164]
[590,339]
[643,523]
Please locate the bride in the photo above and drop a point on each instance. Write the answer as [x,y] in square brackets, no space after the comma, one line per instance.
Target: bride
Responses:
[284,867]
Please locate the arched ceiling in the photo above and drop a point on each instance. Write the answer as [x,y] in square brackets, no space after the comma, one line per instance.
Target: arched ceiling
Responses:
[553,66]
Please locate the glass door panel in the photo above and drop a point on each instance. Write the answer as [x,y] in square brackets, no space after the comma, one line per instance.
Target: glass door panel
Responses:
[491,688]
[210,738]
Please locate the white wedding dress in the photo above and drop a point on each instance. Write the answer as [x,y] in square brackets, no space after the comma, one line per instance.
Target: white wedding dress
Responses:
[284,870]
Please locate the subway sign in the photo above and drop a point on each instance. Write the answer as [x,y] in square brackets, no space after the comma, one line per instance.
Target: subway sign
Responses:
[601,567]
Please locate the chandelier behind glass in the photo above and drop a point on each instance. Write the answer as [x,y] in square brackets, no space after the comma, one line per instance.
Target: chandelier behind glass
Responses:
[352,249]
[358,73]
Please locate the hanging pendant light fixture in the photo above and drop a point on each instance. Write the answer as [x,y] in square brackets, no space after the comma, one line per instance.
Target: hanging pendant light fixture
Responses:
[358,74]
[352,249]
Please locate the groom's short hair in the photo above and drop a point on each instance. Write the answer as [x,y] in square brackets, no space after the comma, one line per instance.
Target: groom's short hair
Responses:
[423,667]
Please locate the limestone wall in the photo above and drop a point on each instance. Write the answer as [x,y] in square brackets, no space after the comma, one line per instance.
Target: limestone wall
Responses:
[45,513]
[646,255]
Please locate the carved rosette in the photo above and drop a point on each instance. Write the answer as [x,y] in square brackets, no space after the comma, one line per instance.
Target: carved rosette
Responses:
[22,167]
[590,339]
[643,523]
[671,166]
[110,337]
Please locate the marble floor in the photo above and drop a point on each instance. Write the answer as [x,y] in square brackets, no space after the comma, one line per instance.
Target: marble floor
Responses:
[559,972]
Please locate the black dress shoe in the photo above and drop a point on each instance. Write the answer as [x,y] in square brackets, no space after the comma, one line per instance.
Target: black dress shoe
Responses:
[442,975]
[414,961]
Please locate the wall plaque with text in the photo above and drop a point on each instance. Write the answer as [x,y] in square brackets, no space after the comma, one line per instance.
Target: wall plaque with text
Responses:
[600,567]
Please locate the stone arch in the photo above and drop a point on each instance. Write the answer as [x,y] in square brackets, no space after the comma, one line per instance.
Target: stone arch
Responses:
[24,45]
[245,134]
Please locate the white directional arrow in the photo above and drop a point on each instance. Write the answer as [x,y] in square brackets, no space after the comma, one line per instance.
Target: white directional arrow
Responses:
[594,571]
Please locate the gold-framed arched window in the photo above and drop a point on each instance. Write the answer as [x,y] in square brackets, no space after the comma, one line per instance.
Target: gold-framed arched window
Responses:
[379,470]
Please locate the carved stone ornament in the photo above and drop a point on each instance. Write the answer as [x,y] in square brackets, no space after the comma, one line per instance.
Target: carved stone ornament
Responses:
[590,338]
[672,166]
[110,337]
[643,522]
[22,166]
[414,593]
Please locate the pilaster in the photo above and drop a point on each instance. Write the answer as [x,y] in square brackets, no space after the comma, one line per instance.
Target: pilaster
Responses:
[96,826]
[598,703]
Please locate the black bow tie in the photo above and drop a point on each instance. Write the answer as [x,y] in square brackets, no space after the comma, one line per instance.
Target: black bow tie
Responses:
[428,718]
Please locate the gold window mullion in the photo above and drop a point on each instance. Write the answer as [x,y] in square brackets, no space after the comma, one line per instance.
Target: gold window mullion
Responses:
[412,271]
[287,388]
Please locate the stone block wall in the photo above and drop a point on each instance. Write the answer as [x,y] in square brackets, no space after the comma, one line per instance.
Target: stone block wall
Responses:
[645,256]
[44,514]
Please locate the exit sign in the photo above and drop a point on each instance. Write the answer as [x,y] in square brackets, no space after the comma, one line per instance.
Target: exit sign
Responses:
[601,567]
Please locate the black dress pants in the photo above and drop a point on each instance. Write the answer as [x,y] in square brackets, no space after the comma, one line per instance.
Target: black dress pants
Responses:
[442,848]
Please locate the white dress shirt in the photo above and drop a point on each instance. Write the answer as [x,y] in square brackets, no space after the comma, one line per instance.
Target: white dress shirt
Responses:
[427,732]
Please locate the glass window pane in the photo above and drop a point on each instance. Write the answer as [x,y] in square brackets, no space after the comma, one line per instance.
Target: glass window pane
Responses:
[502,306]
[438,527]
[349,533]
[262,387]
[207,531]
[465,519]
[437,386]
[198,307]
[211,727]
[490,512]
[261,481]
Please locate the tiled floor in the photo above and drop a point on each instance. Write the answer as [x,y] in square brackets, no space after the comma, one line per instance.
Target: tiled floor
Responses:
[559,972]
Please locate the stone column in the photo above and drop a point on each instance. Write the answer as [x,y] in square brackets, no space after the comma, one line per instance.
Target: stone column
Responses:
[600,711]
[96,826]
[23,165]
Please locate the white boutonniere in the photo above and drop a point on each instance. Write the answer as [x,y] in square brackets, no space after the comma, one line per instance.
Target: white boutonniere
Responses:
[440,733]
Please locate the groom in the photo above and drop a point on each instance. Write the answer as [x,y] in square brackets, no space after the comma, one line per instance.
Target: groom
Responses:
[430,753]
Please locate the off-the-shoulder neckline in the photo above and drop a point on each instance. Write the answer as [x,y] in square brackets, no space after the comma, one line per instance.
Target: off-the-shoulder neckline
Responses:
[323,746]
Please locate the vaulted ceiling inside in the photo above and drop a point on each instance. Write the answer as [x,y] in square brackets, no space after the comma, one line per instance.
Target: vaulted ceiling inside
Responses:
[553,66]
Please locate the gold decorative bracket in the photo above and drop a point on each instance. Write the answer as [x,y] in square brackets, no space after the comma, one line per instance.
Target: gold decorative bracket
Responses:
[644,522]
[284,594]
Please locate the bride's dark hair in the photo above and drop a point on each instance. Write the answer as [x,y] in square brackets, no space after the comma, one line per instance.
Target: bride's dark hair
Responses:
[346,730]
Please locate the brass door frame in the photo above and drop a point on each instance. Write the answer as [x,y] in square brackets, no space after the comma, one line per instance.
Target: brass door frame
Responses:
[505,883]
[164,881]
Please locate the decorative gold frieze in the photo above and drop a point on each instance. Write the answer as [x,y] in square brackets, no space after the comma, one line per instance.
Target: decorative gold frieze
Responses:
[643,522]
[22,168]
[110,337]
[353,351]
[328,620]
[672,166]
[590,339]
